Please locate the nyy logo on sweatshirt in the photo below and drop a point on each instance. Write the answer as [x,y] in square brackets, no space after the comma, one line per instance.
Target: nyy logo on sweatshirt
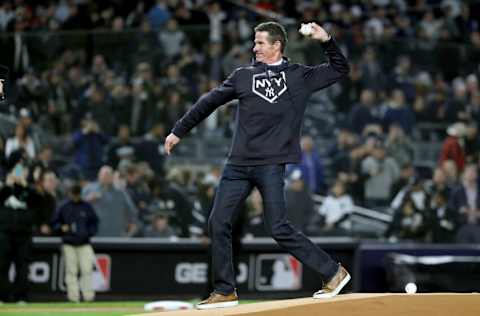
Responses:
[269,87]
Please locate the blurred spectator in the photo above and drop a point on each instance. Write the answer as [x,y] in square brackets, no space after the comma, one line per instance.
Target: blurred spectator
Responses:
[472,143]
[46,205]
[255,226]
[398,145]
[135,17]
[406,177]
[438,183]
[350,91]
[380,172]
[122,148]
[17,214]
[138,190]
[364,113]
[372,72]
[216,17]
[213,63]
[159,14]
[466,200]
[473,107]
[339,152]
[174,200]
[99,108]
[450,169]
[443,220]
[76,221]
[403,77]
[453,147]
[299,202]
[6,15]
[116,212]
[398,112]
[20,140]
[141,110]
[89,143]
[31,92]
[159,227]
[172,40]
[410,217]
[335,210]
[310,167]
[44,160]
[150,148]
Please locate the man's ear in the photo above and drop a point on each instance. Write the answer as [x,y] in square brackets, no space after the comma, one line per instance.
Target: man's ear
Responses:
[278,45]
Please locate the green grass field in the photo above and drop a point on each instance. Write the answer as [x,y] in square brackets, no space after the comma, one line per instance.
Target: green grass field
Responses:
[80,309]
[70,309]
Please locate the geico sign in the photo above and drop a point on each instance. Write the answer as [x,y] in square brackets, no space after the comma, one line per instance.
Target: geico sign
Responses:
[39,272]
[186,272]
[196,272]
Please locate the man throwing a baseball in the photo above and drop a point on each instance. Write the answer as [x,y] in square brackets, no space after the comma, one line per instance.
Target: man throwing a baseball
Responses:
[273,95]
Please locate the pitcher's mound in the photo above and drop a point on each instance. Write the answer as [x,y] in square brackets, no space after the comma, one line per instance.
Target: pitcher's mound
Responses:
[431,304]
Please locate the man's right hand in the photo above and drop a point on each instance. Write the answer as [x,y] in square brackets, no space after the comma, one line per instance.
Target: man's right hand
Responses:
[171,141]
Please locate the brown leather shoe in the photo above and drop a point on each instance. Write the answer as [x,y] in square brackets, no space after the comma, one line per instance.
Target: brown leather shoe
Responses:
[335,285]
[217,300]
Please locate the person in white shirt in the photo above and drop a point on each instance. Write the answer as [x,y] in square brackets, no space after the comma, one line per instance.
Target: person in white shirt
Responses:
[20,140]
[336,208]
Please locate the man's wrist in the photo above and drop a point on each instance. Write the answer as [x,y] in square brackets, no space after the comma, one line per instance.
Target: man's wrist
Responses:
[329,37]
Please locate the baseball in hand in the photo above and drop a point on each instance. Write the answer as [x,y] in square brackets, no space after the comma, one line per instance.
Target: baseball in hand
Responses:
[306,29]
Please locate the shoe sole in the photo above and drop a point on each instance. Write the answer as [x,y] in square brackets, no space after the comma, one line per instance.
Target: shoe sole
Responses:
[336,291]
[217,305]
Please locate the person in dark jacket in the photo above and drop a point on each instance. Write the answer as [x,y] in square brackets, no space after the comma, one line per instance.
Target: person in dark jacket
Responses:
[17,215]
[273,95]
[76,221]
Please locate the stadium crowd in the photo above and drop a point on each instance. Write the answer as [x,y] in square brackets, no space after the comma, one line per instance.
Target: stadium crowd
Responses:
[108,89]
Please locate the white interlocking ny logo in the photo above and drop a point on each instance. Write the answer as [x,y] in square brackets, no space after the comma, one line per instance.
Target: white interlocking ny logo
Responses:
[271,87]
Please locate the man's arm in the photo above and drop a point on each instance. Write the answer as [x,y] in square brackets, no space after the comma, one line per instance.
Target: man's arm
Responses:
[321,76]
[200,110]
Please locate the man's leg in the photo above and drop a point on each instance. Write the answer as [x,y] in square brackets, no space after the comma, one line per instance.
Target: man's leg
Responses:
[86,260]
[233,189]
[5,261]
[269,180]
[22,256]
[71,273]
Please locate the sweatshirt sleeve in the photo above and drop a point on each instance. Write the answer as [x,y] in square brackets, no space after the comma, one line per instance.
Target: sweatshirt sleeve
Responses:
[323,75]
[205,106]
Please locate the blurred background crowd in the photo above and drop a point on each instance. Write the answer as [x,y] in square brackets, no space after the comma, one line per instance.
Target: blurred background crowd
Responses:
[390,152]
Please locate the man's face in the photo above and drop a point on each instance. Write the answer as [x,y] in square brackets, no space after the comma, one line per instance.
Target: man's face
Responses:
[1,86]
[105,175]
[265,51]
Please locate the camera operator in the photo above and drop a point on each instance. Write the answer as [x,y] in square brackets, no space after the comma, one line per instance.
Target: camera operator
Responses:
[17,199]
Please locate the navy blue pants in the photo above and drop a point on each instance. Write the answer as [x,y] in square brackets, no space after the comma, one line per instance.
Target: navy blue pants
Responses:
[235,185]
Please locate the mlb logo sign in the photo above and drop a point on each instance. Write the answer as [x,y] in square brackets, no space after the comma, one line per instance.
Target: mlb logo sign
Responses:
[269,87]
[101,276]
[102,273]
[276,272]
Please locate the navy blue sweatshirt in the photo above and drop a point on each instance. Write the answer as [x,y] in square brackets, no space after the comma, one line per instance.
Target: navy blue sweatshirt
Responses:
[272,103]
[81,219]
